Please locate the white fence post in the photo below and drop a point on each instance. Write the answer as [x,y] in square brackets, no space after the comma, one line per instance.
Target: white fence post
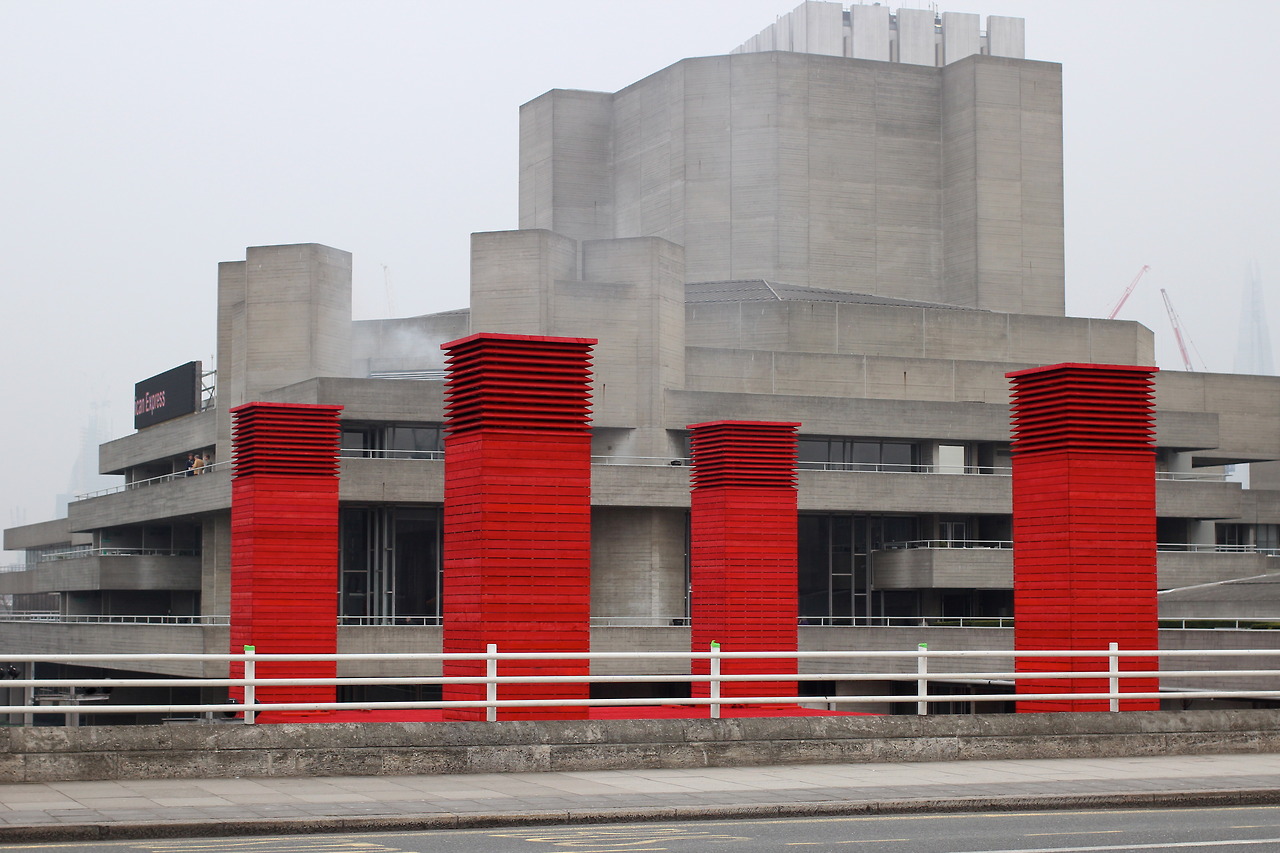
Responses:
[28,692]
[491,682]
[1113,683]
[250,673]
[714,671]
[922,682]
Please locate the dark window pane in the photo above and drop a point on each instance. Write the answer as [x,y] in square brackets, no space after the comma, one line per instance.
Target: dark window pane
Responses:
[814,450]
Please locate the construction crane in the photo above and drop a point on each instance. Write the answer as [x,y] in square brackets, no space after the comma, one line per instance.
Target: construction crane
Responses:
[1128,291]
[1177,333]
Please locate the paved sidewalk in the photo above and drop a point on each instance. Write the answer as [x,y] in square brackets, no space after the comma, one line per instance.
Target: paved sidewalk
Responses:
[206,807]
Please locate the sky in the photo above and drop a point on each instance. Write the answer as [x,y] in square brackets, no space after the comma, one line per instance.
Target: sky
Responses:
[144,142]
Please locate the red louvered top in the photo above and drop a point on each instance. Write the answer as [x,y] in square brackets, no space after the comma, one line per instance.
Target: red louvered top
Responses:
[285,438]
[744,453]
[518,382]
[1096,406]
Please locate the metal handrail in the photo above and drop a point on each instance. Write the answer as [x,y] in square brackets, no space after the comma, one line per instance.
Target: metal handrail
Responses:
[988,544]
[151,481]
[1241,623]
[392,621]
[1205,476]
[903,468]
[88,551]
[1095,673]
[111,619]
[387,453]
[1211,548]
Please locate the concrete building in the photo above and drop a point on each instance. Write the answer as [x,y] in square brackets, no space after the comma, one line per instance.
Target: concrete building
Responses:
[853,222]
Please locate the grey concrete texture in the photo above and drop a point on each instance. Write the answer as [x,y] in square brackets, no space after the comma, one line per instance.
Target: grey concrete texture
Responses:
[925,183]
[50,754]
[223,807]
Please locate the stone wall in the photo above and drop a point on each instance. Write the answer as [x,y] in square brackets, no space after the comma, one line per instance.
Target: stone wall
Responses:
[45,754]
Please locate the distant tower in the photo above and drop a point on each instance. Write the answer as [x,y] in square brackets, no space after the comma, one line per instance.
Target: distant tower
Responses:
[1253,350]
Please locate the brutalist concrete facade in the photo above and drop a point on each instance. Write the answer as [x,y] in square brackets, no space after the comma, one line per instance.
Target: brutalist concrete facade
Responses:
[865,245]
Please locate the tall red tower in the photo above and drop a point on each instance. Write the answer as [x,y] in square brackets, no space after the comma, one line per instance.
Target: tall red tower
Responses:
[284,542]
[1084,525]
[517,513]
[743,527]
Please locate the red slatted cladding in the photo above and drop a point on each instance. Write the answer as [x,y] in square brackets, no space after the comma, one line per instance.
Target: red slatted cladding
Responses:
[284,541]
[743,560]
[517,512]
[1084,524]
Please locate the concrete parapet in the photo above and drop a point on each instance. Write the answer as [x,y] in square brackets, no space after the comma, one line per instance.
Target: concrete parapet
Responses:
[46,754]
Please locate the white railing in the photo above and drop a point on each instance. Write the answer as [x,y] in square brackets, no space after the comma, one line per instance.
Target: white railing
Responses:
[1210,548]
[644,461]
[901,468]
[989,544]
[639,621]
[109,619]
[1106,667]
[907,621]
[154,481]
[88,551]
[384,453]
[411,621]
[1205,476]
[1246,623]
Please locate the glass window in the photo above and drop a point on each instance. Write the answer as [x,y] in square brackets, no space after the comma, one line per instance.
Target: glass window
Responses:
[866,453]
[408,442]
[897,456]
[814,450]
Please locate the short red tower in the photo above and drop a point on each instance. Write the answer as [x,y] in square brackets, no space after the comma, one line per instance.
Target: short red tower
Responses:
[1084,525]
[517,513]
[743,527]
[284,542]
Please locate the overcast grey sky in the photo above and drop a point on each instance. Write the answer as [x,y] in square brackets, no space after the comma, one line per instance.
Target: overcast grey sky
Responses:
[144,142]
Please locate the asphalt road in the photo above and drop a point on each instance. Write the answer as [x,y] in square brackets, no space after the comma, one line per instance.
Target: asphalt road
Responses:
[1202,830]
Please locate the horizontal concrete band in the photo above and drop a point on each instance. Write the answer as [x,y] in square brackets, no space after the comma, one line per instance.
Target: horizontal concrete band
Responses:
[48,754]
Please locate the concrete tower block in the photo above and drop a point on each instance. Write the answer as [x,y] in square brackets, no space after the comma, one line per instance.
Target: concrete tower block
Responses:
[870,39]
[632,301]
[284,316]
[917,37]
[297,315]
[960,36]
[823,27]
[1006,37]
[513,276]
[1002,185]
[566,164]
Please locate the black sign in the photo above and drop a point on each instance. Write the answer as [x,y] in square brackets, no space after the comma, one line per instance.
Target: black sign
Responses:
[169,395]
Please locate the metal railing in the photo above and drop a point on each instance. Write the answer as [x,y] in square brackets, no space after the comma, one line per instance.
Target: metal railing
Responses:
[1102,671]
[988,544]
[89,551]
[393,621]
[1244,623]
[906,621]
[110,619]
[1205,476]
[1211,548]
[386,453]
[644,461]
[154,481]
[903,468]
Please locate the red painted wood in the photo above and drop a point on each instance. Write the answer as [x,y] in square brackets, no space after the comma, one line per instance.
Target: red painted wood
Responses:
[284,542]
[743,527]
[517,517]
[1084,525]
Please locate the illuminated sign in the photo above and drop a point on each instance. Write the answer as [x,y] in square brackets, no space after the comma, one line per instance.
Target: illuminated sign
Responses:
[167,395]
